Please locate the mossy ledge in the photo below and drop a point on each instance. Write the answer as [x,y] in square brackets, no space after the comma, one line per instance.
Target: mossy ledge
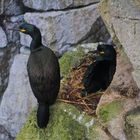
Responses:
[109,111]
[69,60]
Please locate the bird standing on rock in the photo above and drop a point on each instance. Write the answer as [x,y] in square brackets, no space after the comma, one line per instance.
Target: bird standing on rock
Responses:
[99,74]
[44,73]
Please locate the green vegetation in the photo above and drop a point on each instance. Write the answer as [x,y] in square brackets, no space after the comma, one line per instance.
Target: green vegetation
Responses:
[69,60]
[66,123]
[110,111]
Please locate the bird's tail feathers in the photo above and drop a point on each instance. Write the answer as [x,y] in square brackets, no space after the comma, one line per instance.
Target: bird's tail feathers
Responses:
[43,115]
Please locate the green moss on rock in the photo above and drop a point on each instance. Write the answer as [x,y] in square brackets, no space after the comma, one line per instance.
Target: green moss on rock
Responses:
[110,111]
[69,60]
[66,123]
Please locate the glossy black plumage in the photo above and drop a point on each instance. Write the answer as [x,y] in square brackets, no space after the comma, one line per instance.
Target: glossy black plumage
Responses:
[44,74]
[99,74]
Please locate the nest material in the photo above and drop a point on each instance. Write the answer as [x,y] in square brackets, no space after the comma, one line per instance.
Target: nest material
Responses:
[72,87]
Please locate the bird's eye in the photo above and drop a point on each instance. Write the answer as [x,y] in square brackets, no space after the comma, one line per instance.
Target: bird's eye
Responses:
[22,30]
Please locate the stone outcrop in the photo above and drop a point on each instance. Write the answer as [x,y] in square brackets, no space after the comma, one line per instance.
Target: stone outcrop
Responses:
[18,100]
[132,124]
[57,5]
[62,29]
[8,48]
[10,7]
[123,25]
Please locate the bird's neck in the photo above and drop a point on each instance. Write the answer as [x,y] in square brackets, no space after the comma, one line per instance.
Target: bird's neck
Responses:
[36,42]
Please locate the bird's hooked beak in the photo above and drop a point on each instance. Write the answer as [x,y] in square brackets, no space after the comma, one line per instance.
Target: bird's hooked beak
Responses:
[20,30]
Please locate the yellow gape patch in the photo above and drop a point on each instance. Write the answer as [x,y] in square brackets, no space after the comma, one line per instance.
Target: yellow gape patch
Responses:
[102,52]
[22,30]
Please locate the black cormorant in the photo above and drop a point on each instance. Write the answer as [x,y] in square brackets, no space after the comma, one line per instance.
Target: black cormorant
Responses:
[99,74]
[44,73]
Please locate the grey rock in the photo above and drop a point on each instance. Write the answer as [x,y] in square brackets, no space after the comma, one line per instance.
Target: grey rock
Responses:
[10,7]
[124,28]
[12,23]
[4,135]
[10,42]
[17,19]
[132,124]
[1,53]
[5,63]
[62,28]
[98,33]
[3,38]
[114,103]
[18,100]
[25,50]
[56,4]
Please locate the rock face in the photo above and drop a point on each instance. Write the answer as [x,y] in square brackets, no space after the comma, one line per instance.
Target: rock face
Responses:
[9,40]
[64,28]
[18,99]
[124,28]
[9,45]
[56,4]
[10,7]
[3,38]
[4,135]
[132,124]
[8,48]
[121,97]
[124,93]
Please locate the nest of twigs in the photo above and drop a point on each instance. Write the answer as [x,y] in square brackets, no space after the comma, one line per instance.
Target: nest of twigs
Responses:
[72,87]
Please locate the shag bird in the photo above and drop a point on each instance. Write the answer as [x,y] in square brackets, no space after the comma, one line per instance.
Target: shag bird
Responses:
[44,73]
[99,74]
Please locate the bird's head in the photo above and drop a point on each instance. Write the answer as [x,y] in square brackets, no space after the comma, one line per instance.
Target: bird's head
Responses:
[106,51]
[29,29]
